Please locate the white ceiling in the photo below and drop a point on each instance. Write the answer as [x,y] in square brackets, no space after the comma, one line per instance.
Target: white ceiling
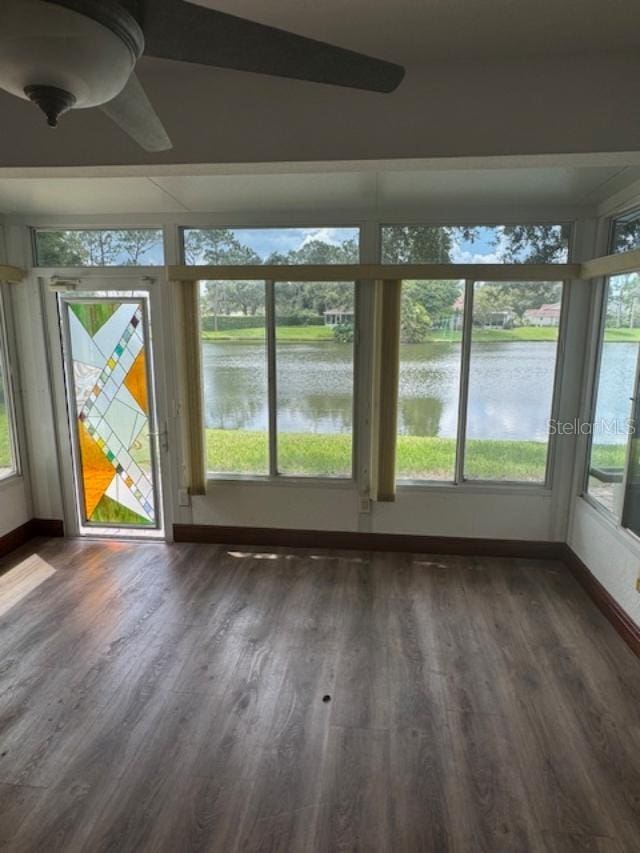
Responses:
[367,191]
[419,31]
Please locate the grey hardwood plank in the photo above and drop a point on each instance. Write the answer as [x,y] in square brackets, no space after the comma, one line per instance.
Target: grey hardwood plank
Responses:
[422,777]
[568,843]
[158,697]
[362,682]
[17,803]
[356,813]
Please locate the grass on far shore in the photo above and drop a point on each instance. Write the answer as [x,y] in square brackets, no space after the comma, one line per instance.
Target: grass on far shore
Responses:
[329,455]
[5,445]
[308,334]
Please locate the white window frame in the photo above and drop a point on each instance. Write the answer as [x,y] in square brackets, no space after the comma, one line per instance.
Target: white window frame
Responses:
[459,481]
[10,386]
[370,230]
[600,300]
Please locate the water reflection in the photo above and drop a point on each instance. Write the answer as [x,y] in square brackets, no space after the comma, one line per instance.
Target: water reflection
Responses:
[510,391]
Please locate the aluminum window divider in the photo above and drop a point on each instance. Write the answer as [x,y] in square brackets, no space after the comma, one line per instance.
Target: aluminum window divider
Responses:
[272,379]
[600,297]
[465,364]
[561,343]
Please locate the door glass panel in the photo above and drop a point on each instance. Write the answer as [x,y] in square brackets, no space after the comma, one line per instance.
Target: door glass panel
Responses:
[7,457]
[108,371]
[612,422]
[631,515]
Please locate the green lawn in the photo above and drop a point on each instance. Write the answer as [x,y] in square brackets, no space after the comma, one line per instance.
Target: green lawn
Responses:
[609,455]
[297,334]
[288,334]
[245,452]
[622,335]
[5,446]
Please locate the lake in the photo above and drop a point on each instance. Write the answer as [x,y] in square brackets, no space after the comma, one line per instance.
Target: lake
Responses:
[510,387]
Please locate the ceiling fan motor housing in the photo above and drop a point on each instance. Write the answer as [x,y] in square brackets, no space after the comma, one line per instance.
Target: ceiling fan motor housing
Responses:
[64,54]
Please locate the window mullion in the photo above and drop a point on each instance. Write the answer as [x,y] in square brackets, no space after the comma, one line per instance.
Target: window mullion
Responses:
[465,356]
[270,316]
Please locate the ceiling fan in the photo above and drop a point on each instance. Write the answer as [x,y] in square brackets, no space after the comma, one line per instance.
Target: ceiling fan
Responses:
[75,54]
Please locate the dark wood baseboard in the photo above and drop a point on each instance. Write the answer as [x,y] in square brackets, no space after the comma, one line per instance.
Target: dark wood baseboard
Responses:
[344,540]
[347,540]
[619,618]
[15,538]
[50,527]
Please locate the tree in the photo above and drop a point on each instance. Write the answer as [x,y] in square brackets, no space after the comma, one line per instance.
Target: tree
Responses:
[519,296]
[489,300]
[134,243]
[436,297]
[534,244]
[626,235]
[417,244]
[343,333]
[246,296]
[96,248]
[217,246]
[60,249]
[414,322]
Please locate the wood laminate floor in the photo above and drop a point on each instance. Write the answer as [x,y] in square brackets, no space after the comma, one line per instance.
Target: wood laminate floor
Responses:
[171,698]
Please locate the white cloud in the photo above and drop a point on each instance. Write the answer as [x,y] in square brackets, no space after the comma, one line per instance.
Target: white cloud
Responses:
[332,236]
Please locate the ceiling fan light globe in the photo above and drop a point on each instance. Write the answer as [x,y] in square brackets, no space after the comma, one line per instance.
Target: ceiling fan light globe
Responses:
[44,44]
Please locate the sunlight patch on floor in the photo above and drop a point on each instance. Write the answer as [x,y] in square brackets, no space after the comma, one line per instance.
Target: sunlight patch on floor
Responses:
[18,582]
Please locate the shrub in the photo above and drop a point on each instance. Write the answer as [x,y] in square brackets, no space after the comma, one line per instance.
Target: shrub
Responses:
[343,333]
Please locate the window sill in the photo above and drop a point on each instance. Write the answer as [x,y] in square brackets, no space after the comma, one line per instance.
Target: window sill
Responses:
[10,480]
[632,540]
[477,487]
[287,482]
[405,488]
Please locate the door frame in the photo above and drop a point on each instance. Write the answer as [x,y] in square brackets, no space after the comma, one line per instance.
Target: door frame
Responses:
[51,283]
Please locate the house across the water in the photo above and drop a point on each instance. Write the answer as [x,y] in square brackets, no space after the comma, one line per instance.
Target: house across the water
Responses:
[545,315]
[338,317]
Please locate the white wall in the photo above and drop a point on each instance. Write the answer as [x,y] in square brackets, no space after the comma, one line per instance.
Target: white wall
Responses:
[39,448]
[14,504]
[15,499]
[611,553]
[501,513]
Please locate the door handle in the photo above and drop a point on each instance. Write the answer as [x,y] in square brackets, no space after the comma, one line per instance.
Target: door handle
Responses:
[163,437]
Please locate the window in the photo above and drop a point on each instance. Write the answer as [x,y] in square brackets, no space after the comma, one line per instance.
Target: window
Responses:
[430,352]
[271,245]
[625,233]
[611,425]
[295,419]
[469,244]
[234,367]
[512,354]
[8,455]
[132,247]
[512,368]
[314,378]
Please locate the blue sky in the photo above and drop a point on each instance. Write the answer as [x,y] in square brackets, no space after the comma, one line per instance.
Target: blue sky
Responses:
[265,241]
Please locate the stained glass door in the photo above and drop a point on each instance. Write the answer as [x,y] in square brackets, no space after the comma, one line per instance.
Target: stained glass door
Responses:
[111,407]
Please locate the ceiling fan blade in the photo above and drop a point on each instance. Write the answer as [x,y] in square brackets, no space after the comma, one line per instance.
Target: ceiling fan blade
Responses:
[179,30]
[133,112]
